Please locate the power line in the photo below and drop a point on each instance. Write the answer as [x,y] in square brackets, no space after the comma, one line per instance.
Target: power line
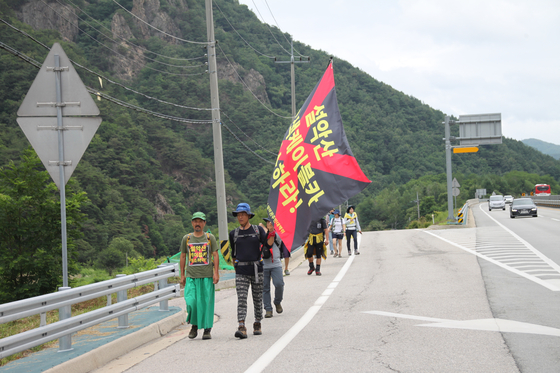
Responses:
[260,146]
[155,28]
[107,97]
[131,43]
[246,42]
[245,145]
[114,51]
[269,30]
[245,84]
[114,41]
[102,76]
[274,18]
[36,64]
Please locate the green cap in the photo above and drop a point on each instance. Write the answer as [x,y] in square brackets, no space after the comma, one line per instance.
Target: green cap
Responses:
[199,215]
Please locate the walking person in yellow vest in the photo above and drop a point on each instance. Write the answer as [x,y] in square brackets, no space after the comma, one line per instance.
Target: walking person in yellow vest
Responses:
[352,227]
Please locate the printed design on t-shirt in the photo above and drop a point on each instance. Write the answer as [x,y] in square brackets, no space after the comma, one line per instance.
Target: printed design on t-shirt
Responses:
[198,254]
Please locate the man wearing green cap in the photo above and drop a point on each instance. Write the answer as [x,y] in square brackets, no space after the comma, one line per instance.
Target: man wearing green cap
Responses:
[199,252]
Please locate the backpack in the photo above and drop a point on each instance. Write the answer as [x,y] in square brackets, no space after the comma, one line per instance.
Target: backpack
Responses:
[207,237]
[236,235]
[267,250]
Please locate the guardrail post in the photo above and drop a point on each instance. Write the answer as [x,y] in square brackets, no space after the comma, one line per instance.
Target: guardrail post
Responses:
[65,312]
[162,284]
[122,296]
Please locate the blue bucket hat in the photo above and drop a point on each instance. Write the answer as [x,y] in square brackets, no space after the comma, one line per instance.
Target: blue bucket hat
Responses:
[336,212]
[243,207]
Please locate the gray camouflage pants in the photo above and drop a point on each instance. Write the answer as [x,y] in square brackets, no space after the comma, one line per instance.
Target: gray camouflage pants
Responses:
[242,283]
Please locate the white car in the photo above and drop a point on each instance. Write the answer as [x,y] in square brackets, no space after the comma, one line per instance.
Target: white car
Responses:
[496,202]
[508,199]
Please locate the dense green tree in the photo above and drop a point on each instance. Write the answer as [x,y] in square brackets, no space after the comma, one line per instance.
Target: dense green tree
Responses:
[30,229]
[146,175]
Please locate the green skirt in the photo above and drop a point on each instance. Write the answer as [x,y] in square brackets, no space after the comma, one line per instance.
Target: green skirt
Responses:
[199,297]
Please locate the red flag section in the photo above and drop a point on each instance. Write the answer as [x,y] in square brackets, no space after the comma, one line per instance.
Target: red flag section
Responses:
[315,169]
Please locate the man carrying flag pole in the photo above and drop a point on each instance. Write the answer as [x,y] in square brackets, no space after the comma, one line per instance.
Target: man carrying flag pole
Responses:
[315,168]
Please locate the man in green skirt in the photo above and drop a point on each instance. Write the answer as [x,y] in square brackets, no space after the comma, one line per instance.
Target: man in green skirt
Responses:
[199,252]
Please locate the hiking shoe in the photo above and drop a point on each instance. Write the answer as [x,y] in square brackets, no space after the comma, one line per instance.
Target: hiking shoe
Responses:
[286,272]
[268,315]
[356,252]
[318,273]
[257,328]
[349,253]
[279,308]
[311,270]
[241,332]
[194,332]
[206,334]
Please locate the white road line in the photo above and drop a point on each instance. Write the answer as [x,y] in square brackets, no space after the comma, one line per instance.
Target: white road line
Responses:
[262,362]
[490,325]
[507,264]
[555,219]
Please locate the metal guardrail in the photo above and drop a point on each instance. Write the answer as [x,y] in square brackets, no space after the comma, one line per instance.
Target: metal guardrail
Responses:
[547,201]
[63,299]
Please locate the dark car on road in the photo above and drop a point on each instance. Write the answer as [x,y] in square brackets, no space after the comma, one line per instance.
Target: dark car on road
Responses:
[522,207]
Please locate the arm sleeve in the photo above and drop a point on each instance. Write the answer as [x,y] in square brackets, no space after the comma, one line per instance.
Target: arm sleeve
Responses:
[231,244]
[263,235]
[183,247]
[214,244]
[358,223]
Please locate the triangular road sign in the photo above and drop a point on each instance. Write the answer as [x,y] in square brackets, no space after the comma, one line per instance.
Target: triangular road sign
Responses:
[74,93]
[45,141]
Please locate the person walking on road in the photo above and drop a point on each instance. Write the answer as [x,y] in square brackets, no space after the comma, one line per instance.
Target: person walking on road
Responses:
[245,242]
[352,227]
[329,217]
[272,263]
[316,245]
[199,254]
[337,227]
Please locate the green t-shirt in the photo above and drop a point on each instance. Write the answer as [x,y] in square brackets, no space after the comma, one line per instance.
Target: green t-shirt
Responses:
[199,255]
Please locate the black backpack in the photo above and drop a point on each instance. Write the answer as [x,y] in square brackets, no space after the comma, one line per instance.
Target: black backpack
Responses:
[267,250]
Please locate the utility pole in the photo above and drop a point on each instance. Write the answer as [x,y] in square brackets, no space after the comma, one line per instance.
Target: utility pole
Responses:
[216,125]
[292,61]
[450,215]
[418,205]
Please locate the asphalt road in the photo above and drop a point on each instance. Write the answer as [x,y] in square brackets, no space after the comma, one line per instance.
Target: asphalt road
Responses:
[516,298]
[450,300]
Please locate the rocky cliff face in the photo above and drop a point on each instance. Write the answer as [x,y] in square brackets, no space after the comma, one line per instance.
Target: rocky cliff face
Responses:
[149,13]
[51,16]
[254,80]
[129,59]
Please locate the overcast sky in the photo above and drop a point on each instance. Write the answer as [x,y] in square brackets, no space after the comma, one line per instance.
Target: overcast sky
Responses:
[460,57]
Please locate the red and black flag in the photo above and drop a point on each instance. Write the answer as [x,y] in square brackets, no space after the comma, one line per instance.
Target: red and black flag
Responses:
[315,169]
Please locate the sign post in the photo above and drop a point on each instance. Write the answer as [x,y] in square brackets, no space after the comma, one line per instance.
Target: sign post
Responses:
[474,130]
[59,118]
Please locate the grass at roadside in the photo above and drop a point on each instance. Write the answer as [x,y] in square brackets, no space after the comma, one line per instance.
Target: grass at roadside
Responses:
[32,322]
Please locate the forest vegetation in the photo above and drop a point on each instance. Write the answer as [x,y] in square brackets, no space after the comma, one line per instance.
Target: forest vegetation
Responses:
[142,176]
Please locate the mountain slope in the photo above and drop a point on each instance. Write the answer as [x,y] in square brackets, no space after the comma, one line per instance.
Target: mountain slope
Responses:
[146,175]
[544,147]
